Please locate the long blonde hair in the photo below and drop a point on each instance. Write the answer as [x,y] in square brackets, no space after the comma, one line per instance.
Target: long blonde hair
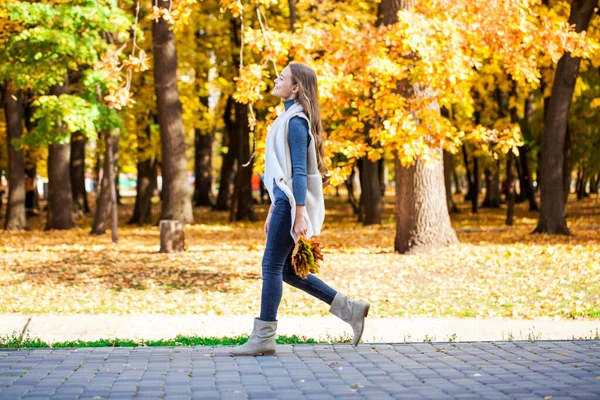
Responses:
[308,97]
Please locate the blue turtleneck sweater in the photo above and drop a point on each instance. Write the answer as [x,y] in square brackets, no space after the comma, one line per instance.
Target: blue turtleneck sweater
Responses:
[298,140]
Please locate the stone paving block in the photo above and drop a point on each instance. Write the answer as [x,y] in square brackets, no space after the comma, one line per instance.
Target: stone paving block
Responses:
[418,370]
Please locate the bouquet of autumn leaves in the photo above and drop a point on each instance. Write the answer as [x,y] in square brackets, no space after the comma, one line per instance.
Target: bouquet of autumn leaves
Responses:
[306,257]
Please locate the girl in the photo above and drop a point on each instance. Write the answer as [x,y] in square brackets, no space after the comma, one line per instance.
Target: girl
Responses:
[293,176]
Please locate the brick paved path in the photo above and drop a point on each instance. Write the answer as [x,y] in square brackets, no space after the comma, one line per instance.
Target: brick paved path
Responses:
[496,370]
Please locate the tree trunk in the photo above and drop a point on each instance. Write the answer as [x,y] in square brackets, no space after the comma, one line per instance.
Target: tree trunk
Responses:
[525,177]
[510,163]
[470,188]
[552,216]
[97,168]
[104,203]
[146,184]
[350,188]
[116,178]
[242,201]
[370,191]
[32,199]
[382,176]
[360,215]
[14,110]
[492,188]
[496,188]
[292,5]
[177,202]
[457,181]
[423,222]
[111,154]
[567,168]
[476,185]
[60,197]
[581,186]
[172,239]
[526,181]
[487,177]
[448,182]
[594,184]
[80,203]
[228,164]
[510,195]
[203,194]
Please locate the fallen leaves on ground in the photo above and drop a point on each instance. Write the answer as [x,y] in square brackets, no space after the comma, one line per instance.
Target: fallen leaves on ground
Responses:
[490,274]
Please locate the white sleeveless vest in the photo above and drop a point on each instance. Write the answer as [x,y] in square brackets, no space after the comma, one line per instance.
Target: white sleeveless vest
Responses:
[278,166]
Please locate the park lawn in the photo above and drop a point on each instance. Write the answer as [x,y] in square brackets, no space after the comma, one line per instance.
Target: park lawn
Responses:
[492,273]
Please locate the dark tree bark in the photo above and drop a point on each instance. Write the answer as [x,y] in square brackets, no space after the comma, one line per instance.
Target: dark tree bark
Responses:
[350,188]
[382,177]
[510,164]
[203,194]
[370,191]
[31,162]
[448,182]
[80,202]
[476,185]
[105,203]
[97,168]
[229,158]
[177,199]
[117,191]
[470,187]
[60,197]
[15,209]
[581,183]
[526,180]
[360,215]
[552,216]
[492,188]
[510,195]
[292,5]
[457,180]
[242,202]
[567,168]
[594,184]
[146,184]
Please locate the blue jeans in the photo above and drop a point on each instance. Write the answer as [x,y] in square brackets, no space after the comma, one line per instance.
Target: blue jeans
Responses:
[277,265]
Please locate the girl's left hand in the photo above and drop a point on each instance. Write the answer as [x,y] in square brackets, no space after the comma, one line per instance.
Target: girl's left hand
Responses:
[300,226]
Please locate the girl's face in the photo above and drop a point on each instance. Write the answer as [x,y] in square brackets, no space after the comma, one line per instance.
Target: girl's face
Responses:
[284,87]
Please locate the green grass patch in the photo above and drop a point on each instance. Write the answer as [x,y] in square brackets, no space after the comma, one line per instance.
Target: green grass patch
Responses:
[14,341]
[594,313]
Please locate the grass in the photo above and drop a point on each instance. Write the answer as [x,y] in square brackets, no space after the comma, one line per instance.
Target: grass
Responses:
[15,341]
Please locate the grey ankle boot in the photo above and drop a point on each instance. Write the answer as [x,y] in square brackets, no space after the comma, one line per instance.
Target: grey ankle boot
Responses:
[261,341]
[353,312]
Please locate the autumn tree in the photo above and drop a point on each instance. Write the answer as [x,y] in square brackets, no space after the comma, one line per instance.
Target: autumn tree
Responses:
[177,201]
[52,39]
[394,78]
[552,214]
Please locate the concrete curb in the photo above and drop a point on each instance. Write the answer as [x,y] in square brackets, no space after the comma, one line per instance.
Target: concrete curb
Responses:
[53,327]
